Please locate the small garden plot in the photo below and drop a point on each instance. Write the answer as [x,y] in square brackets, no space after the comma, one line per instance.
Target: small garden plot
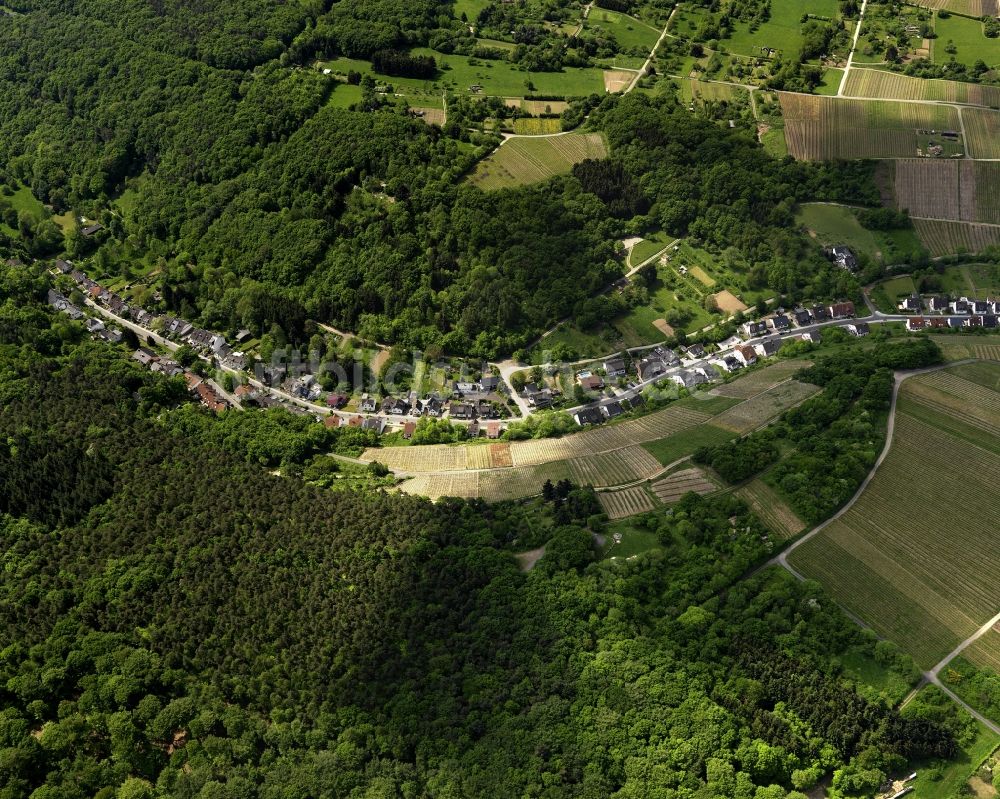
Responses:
[758,410]
[432,116]
[500,455]
[672,488]
[626,502]
[948,238]
[728,302]
[614,468]
[616,80]
[538,108]
[522,161]
[769,506]
[761,380]
[478,457]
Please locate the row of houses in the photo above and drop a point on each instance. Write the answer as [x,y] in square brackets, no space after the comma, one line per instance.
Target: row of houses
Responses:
[209,343]
[433,405]
[986,321]
[945,305]
[95,327]
[198,387]
[798,317]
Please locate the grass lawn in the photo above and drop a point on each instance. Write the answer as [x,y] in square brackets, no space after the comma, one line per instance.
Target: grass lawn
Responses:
[836,224]
[774,142]
[648,247]
[679,445]
[498,78]
[783,31]
[23,200]
[470,8]
[345,95]
[874,681]
[976,280]
[968,39]
[634,542]
[831,81]
[630,33]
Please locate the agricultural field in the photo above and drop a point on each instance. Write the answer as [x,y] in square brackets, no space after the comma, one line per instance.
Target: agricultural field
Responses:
[772,509]
[457,73]
[962,39]
[880,84]
[761,380]
[946,238]
[837,224]
[916,556]
[618,467]
[959,348]
[959,191]
[537,126]
[626,502]
[978,281]
[985,652]
[752,413]
[821,128]
[631,34]
[982,131]
[674,486]
[692,89]
[680,445]
[519,162]
[970,8]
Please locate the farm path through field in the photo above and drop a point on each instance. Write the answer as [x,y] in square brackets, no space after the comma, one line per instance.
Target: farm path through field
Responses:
[930,676]
[652,52]
[854,45]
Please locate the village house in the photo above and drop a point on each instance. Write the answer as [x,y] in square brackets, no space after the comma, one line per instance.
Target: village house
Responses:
[167,367]
[614,366]
[819,313]
[462,388]
[332,422]
[754,329]
[768,347]
[489,383]
[956,322]
[588,415]
[65,267]
[915,323]
[493,430]
[540,399]
[938,304]
[336,400]
[695,351]
[960,305]
[91,229]
[936,322]
[432,406]
[591,383]
[94,325]
[472,431]
[858,329]
[801,316]
[980,307]
[813,336]
[781,322]
[613,410]
[376,423]
[462,410]
[486,410]
[395,407]
[745,355]
[368,403]
[841,310]
[408,429]
[911,304]
[145,356]
[843,257]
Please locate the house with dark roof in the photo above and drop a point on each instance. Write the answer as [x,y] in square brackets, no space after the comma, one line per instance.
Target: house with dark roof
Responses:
[843,257]
[376,423]
[960,306]
[395,406]
[858,329]
[145,356]
[64,266]
[956,322]
[368,403]
[939,304]
[754,329]
[768,347]
[819,313]
[432,406]
[650,368]
[732,364]
[489,382]
[589,415]
[91,229]
[781,323]
[613,409]
[540,399]
[801,316]
[990,321]
[336,400]
[910,304]
[695,351]
[462,410]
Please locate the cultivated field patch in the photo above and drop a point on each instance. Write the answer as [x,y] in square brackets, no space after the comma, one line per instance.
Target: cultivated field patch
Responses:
[771,508]
[884,85]
[728,302]
[761,379]
[616,80]
[985,652]
[916,556]
[825,128]
[982,132]
[626,502]
[521,161]
[674,486]
[618,467]
[961,190]
[752,413]
[947,238]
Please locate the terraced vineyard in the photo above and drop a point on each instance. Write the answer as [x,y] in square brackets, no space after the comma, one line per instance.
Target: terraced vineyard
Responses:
[961,191]
[947,238]
[880,84]
[761,379]
[754,412]
[985,652]
[823,128]
[770,507]
[674,486]
[982,132]
[968,8]
[626,502]
[617,467]
[522,161]
[916,556]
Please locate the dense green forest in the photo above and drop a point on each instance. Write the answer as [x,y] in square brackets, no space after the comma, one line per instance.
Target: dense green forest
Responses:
[261,202]
[178,621]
